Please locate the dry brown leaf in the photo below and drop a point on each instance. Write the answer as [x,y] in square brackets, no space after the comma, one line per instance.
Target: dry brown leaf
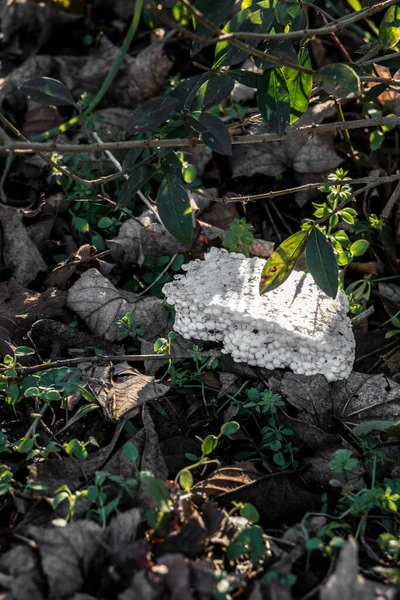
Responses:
[39,118]
[19,252]
[20,308]
[347,584]
[120,389]
[306,155]
[78,263]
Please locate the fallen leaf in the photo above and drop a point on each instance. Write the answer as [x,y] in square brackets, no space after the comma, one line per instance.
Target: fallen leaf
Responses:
[82,260]
[121,389]
[347,584]
[19,252]
[20,307]
[66,573]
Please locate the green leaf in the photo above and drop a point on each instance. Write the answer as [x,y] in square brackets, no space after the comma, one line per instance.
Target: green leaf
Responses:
[186,480]
[131,451]
[105,223]
[230,428]
[47,91]
[156,489]
[389,30]
[187,90]
[299,85]
[213,132]
[248,20]
[368,426]
[282,262]
[132,185]
[249,512]
[274,99]
[340,81]
[174,208]
[80,224]
[23,351]
[131,157]
[25,445]
[376,139]
[213,91]
[359,247]
[209,444]
[321,262]
[216,12]
[151,114]
[244,77]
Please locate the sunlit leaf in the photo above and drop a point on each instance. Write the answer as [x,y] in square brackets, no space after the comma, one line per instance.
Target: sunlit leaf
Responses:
[186,480]
[174,208]
[212,92]
[282,262]
[321,262]
[299,85]
[274,99]
[48,91]
[389,30]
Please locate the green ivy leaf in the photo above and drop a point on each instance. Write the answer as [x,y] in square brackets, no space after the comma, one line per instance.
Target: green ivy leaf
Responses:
[340,81]
[321,262]
[48,91]
[213,132]
[282,262]
[174,208]
[151,114]
[389,30]
[274,99]
[299,85]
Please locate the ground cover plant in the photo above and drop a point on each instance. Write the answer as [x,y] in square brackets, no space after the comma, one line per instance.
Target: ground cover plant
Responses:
[135,136]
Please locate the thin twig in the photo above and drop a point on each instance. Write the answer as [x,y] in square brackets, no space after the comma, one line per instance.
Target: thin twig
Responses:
[394,198]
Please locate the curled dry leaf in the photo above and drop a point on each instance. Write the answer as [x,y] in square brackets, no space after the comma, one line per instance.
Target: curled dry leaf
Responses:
[78,263]
[306,156]
[19,252]
[120,389]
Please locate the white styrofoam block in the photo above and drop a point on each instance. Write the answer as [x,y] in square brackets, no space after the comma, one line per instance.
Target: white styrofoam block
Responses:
[295,326]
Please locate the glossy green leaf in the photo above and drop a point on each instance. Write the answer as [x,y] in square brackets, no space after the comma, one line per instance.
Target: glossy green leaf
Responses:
[213,132]
[321,262]
[389,30]
[132,185]
[151,114]
[186,480]
[359,247]
[47,91]
[212,92]
[282,262]
[340,80]
[174,208]
[248,20]
[299,85]
[274,99]
[188,88]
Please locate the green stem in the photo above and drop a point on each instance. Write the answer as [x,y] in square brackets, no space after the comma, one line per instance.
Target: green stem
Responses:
[108,80]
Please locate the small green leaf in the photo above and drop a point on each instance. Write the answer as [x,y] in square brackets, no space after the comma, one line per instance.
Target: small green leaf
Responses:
[23,351]
[186,480]
[216,12]
[340,80]
[80,224]
[151,114]
[282,262]
[52,396]
[131,451]
[32,392]
[376,139]
[249,512]
[299,85]
[47,91]
[359,247]
[25,445]
[368,426]
[174,208]
[230,428]
[209,444]
[191,457]
[105,223]
[389,30]
[322,263]
[274,99]
[213,132]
